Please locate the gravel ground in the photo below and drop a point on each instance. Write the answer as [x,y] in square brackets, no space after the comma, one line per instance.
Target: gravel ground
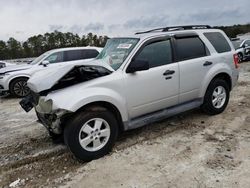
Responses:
[189,150]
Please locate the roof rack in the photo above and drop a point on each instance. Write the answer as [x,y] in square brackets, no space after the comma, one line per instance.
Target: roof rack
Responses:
[176,28]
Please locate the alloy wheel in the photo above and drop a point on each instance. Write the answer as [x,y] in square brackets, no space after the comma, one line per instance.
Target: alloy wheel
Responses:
[94,134]
[21,89]
[219,97]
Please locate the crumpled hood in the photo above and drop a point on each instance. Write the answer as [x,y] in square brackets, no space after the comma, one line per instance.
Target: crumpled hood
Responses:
[46,79]
[13,68]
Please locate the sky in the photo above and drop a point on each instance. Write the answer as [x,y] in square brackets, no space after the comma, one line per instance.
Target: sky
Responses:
[24,18]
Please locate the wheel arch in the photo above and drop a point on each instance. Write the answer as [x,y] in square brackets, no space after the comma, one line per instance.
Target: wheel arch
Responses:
[222,75]
[99,105]
[226,77]
[17,77]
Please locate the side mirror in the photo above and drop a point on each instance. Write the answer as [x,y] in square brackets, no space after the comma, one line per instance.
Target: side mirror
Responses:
[137,65]
[45,63]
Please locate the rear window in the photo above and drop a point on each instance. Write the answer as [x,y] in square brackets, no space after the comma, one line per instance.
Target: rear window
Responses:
[190,48]
[218,41]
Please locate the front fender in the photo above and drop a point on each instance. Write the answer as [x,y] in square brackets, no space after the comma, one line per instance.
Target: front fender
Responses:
[213,72]
[72,100]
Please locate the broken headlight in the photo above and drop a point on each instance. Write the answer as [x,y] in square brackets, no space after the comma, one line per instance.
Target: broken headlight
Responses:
[44,106]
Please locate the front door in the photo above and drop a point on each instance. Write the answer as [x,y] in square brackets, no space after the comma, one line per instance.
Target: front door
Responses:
[156,88]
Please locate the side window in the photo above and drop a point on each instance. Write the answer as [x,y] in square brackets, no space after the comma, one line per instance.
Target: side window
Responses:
[72,55]
[157,53]
[218,41]
[190,48]
[247,43]
[90,53]
[2,65]
[55,57]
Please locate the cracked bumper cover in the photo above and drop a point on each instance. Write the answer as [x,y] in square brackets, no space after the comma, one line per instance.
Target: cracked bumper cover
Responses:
[51,119]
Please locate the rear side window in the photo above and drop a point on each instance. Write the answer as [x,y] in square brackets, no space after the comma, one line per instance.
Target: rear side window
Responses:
[218,41]
[80,54]
[190,48]
[157,53]
[91,53]
[247,43]
[72,55]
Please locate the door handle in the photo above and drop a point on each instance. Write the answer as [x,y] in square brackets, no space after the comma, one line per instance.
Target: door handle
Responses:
[168,72]
[207,63]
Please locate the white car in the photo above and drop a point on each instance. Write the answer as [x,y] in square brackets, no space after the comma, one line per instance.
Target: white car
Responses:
[135,80]
[13,79]
[5,64]
[242,48]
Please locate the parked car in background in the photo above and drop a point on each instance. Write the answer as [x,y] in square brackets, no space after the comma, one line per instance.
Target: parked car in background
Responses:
[5,64]
[13,79]
[134,81]
[242,48]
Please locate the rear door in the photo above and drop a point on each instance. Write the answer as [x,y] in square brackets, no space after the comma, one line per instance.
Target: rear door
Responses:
[194,62]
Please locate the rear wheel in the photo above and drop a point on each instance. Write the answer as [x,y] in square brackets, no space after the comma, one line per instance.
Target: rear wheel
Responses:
[19,88]
[91,134]
[216,97]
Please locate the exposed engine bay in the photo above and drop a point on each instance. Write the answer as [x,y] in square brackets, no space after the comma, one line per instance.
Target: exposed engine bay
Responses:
[76,75]
[79,74]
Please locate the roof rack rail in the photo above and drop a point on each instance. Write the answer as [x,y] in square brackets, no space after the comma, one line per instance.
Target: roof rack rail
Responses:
[176,28]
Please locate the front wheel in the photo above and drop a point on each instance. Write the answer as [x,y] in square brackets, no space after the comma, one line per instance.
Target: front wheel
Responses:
[216,97]
[19,88]
[91,134]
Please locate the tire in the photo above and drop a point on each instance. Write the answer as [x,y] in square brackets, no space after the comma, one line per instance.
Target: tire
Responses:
[220,101]
[89,126]
[18,87]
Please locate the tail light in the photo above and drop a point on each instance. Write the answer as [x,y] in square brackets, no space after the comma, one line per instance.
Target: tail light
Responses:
[236,61]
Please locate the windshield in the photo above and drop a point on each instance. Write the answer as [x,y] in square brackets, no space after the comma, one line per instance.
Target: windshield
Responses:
[237,43]
[116,51]
[38,59]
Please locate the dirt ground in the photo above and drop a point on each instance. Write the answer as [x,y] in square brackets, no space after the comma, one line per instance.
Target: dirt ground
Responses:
[189,150]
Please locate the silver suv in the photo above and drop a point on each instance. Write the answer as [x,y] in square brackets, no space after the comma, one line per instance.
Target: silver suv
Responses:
[135,80]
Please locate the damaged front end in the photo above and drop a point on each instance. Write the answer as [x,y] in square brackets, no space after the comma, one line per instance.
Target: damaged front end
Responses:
[51,119]
[47,113]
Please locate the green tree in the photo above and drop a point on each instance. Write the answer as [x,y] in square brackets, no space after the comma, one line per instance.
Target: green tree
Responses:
[4,52]
[14,48]
[38,44]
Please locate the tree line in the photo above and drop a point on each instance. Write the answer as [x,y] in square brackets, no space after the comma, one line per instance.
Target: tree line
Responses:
[233,31]
[38,44]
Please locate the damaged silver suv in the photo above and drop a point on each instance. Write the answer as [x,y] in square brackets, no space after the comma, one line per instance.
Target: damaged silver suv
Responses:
[134,81]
